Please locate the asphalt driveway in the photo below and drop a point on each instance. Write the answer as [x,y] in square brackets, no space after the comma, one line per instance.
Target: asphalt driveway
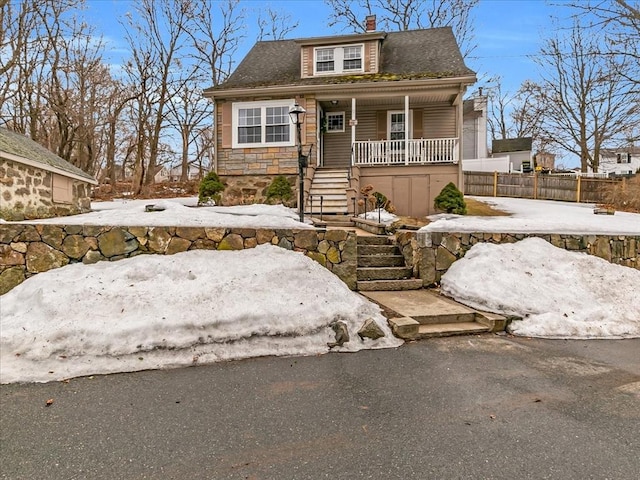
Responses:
[479,407]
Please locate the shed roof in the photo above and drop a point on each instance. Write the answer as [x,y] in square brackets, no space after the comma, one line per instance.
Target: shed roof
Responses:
[407,55]
[522,144]
[31,152]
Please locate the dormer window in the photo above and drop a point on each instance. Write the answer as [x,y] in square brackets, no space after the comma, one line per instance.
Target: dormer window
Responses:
[335,60]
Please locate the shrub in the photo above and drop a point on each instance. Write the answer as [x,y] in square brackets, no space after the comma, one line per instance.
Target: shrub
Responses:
[451,200]
[210,189]
[280,190]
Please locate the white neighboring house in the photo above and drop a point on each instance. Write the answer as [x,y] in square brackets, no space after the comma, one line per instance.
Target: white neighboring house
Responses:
[165,174]
[621,161]
[475,154]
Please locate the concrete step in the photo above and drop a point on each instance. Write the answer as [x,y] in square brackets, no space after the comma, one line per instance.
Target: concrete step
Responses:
[328,196]
[331,177]
[389,285]
[315,190]
[327,172]
[381,261]
[408,329]
[449,329]
[383,273]
[373,240]
[377,250]
[332,202]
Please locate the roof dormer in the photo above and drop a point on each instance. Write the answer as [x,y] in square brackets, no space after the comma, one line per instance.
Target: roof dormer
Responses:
[340,55]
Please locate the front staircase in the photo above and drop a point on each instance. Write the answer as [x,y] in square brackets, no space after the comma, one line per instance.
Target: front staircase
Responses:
[413,313]
[329,188]
[381,266]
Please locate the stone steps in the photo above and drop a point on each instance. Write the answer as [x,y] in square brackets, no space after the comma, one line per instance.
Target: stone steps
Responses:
[425,314]
[383,273]
[382,267]
[389,285]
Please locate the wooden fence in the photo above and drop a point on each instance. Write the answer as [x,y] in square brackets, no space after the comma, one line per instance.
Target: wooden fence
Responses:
[538,186]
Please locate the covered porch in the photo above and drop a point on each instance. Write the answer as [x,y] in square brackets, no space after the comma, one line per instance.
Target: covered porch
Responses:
[421,128]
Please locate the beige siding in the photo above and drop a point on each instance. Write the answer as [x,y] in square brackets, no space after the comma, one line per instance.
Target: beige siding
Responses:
[412,190]
[439,121]
[307,61]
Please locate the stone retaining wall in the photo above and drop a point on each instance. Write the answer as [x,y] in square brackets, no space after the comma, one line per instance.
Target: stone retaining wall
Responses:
[28,249]
[432,253]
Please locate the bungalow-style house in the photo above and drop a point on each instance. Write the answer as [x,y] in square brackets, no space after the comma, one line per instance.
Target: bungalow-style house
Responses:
[621,161]
[518,150]
[382,109]
[173,174]
[36,183]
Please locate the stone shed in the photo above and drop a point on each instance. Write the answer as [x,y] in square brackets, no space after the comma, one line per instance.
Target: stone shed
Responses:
[36,183]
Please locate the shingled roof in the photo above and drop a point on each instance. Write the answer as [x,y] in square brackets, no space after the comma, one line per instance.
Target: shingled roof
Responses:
[407,55]
[522,144]
[22,146]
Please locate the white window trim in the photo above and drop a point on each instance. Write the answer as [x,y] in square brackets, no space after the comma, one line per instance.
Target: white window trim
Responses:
[342,114]
[338,59]
[263,131]
[408,127]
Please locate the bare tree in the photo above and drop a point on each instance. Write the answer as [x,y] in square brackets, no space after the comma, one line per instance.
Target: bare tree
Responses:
[274,25]
[157,40]
[621,19]
[398,15]
[215,43]
[585,104]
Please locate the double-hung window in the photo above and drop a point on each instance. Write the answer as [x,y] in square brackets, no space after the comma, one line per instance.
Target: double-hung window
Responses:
[335,60]
[260,124]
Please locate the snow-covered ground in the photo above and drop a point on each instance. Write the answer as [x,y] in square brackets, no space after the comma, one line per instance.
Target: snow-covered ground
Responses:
[540,216]
[559,294]
[197,307]
[182,212]
[157,311]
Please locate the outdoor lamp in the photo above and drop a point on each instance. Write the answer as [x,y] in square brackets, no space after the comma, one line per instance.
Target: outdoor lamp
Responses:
[297,114]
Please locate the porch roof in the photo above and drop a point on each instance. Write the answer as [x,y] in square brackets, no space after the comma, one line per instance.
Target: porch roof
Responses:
[409,55]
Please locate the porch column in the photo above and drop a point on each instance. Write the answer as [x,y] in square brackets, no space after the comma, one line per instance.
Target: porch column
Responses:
[407,130]
[353,128]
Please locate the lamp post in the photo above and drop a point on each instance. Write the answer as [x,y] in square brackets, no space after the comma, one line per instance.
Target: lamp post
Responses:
[297,114]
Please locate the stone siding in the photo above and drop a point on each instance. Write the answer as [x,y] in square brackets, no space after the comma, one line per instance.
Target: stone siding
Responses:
[432,253]
[250,189]
[26,193]
[27,249]
[262,163]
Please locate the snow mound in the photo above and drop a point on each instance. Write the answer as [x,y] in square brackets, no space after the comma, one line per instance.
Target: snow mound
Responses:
[154,311]
[559,294]
[380,215]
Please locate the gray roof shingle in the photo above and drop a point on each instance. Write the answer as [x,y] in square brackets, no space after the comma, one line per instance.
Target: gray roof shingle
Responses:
[522,144]
[22,146]
[412,54]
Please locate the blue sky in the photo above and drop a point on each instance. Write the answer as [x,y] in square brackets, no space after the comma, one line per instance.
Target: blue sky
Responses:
[507,32]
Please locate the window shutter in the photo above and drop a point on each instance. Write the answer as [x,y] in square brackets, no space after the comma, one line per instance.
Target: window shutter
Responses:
[226,124]
[381,116]
[417,123]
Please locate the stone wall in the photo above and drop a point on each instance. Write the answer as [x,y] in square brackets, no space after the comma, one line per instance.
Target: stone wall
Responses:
[27,193]
[28,249]
[250,189]
[432,253]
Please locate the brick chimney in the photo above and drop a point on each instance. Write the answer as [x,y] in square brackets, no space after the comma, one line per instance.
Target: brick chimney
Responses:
[371,23]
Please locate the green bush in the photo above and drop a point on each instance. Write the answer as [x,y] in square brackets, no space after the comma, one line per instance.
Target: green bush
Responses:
[210,189]
[451,200]
[279,190]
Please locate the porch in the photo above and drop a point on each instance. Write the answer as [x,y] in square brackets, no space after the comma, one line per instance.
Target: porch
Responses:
[405,152]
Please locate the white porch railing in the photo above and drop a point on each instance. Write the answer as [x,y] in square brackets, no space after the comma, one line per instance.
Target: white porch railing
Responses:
[394,152]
